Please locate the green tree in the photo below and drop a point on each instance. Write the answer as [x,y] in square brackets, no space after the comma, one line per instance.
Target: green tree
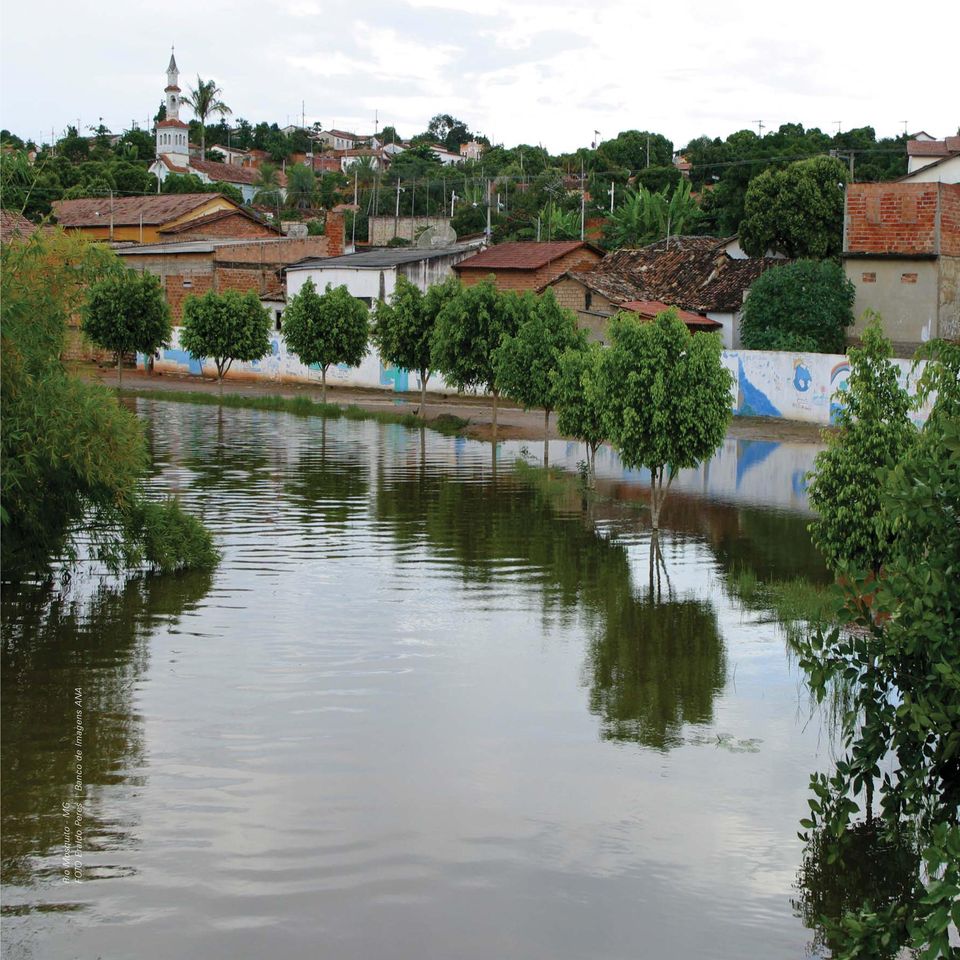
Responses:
[403,328]
[224,327]
[70,439]
[527,363]
[636,149]
[579,414]
[268,186]
[203,100]
[644,217]
[664,396]
[875,432]
[327,328]
[797,211]
[901,731]
[126,313]
[301,187]
[468,330]
[806,305]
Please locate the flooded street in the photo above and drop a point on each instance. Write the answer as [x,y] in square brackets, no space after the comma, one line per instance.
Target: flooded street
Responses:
[419,711]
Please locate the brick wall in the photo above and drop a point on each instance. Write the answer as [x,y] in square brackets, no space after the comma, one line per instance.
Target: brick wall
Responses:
[176,292]
[581,259]
[902,218]
[950,219]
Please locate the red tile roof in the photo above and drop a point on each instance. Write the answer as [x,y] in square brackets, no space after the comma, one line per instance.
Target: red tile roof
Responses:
[172,123]
[15,224]
[154,208]
[522,255]
[933,148]
[201,222]
[648,309]
[693,273]
[230,173]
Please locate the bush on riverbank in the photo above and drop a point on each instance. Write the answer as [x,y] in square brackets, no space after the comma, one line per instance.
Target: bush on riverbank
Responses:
[70,452]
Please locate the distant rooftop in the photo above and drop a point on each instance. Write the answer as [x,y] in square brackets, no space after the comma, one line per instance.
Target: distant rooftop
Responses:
[522,255]
[382,257]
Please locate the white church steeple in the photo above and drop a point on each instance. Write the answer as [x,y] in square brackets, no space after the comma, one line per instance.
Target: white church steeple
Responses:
[173,133]
[173,90]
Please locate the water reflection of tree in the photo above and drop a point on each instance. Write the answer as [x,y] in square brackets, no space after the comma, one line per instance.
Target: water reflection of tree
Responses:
[652,666]
[328,480]
[52,646]
[871,868]
[656,665]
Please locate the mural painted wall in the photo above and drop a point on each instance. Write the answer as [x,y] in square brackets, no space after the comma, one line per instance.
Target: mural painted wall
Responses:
[799,386]
[790,386]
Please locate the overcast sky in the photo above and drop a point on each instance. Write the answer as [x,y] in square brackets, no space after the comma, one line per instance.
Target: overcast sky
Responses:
[535,71]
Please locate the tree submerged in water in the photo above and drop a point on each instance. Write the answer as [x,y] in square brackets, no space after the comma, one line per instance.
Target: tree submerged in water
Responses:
[71,453]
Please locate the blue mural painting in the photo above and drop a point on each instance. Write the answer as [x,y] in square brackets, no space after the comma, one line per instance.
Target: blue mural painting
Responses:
[396,376]
[801,377]
[752,402]
[182,358]
[838,384]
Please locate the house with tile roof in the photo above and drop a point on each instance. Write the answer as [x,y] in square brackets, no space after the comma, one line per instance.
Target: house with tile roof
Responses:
[706,278]
[527,265]
[923,150]
[15,226]
[154,217]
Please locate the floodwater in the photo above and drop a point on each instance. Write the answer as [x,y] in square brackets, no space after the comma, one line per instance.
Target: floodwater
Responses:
[420,711]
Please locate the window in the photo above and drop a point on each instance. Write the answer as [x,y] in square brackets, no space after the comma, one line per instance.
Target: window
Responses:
[587,299]
[277,319]
[869,278]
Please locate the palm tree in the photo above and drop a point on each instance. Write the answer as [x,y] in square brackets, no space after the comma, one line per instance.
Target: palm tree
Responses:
[204,100]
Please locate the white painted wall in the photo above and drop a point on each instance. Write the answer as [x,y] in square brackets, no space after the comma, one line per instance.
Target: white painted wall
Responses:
[790,386]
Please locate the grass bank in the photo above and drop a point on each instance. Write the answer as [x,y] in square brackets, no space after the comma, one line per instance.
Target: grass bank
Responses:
[300,407]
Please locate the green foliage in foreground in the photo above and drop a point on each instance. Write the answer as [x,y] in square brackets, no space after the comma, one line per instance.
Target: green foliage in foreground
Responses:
[70,451]
[806,305]
[875,432]
[901,658]
[225,327]
[664,396]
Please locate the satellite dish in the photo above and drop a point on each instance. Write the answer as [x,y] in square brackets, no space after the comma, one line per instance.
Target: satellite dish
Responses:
[442,235]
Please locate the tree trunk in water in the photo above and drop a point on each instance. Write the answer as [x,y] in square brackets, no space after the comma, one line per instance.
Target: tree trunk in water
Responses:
[119,370]
[546,437]
[496,395]
[656,480]
[423,392]
[323,386]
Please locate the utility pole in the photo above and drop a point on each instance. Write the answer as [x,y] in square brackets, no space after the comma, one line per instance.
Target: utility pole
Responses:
[453,200]
[111,216]
[583,204]
[760,125]
[648,149]
[489,225]
[356,208]
[396,216]
[611,191]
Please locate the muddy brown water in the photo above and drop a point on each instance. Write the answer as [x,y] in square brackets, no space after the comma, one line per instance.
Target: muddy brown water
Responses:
[419,711]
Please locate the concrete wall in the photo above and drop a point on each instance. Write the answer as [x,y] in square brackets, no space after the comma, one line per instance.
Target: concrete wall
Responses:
[789,386]
[904,292]
[408,228]
[949,314]
[283,366]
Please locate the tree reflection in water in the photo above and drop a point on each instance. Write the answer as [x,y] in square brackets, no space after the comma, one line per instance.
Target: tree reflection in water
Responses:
[52,645]
[654,664]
